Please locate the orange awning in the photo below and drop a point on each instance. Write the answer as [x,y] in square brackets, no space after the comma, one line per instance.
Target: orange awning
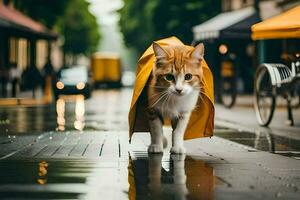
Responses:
[285,25]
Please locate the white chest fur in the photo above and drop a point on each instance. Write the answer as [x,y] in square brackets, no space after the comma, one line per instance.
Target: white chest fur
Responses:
[174,106]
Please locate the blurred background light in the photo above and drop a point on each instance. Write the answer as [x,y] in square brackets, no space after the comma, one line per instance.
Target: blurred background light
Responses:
[60,85]
[223,49]
[80,85]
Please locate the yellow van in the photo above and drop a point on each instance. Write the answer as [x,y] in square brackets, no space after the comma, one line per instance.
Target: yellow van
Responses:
[106,69]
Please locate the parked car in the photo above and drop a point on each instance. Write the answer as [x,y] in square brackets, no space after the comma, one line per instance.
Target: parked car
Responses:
[73,80]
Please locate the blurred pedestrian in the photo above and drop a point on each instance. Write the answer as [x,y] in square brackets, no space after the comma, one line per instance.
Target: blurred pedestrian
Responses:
[47,72]
[14,75]
[4,76]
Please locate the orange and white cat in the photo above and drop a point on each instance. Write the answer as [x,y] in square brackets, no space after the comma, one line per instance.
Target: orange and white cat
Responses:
[173,92]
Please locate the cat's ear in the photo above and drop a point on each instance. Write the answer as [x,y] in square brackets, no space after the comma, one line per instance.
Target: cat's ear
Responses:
[159,52]
[198,52]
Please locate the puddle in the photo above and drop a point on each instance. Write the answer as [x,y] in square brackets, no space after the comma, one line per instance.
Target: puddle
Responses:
[154,177]
[42,179]
[264,141]
[64,115]
[61,179]
[176,177]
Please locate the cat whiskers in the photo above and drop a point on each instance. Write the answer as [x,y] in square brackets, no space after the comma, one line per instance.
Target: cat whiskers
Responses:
[200,92]
[200,96]
[152,86]
[165,102]
[159,98]
[156,95]
[199,88]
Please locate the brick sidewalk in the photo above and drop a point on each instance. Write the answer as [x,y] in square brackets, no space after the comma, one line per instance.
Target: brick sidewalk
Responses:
[213,168]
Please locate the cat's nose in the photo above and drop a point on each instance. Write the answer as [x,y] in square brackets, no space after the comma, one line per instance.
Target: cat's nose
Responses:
[178,90]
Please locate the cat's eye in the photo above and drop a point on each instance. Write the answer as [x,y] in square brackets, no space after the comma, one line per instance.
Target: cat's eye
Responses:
[170,77]
[188,77]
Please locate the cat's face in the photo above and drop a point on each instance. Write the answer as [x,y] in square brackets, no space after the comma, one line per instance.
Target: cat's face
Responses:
[178,68]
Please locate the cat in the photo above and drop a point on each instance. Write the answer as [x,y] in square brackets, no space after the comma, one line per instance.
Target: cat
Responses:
[158,186]
[173,92]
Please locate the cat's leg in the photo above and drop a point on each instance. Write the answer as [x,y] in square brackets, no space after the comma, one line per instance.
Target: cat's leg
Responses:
[178,168]
[155,173]
[156,131]
[178,134]
[180,189]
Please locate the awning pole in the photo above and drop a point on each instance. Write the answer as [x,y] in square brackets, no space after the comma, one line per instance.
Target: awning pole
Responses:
[261,51]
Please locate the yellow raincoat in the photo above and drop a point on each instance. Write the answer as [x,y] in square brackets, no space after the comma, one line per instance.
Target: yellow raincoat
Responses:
[201,122]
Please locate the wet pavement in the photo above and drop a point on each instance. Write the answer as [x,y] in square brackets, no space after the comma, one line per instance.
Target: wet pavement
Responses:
[140,178]
[279,137]
[78,149]
[263,140]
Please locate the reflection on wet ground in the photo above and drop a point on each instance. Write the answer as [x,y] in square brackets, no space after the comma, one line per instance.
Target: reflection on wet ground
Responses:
[55,179]
[264,141]
[79,122]
[27,120]
[152,177]
[179,177]
[102,112]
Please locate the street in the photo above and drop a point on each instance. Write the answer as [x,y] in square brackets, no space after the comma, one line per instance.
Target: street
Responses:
[78,149]
[80,80]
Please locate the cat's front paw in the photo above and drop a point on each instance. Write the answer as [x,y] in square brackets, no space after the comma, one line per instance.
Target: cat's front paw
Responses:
[155,148]
[178,150]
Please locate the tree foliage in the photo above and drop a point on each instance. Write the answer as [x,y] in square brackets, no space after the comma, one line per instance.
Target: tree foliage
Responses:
[45,11]
[80,29]
[180,16]
[143,21]
[136,23]
[71,18]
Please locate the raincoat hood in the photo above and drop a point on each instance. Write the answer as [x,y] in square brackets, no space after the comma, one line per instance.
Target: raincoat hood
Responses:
[201,122]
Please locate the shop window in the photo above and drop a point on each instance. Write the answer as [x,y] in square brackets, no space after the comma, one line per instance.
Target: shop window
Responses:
[22,53]
[41,53]
[13,53]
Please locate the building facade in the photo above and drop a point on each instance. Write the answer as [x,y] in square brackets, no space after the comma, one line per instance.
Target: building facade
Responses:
[268,8]
[25,51]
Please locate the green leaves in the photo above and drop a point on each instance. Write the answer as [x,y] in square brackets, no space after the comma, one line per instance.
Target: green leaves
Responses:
[136,23]
[71,18]
[80,29]
[45,11]
[143,21]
